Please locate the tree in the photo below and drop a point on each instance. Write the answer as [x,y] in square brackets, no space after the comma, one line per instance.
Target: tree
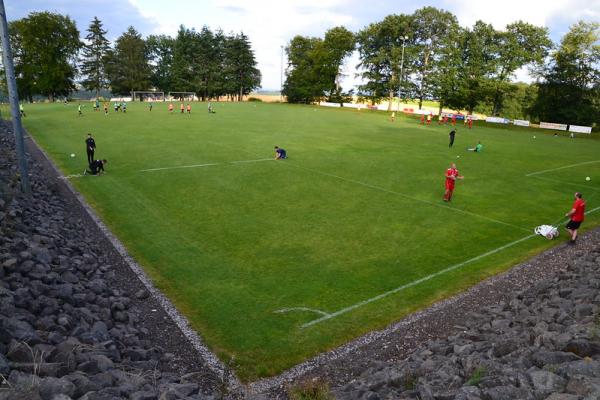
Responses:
[240,66]
[314,65]
[160,54]
[433,31]
[94,58]
[45,46]
[127,64]
[299,85]
[477,64]
[520,44]
[380,51]
[570,90]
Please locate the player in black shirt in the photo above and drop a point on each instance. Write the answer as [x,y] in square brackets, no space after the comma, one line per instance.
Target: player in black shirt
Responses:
[90,146]
[96,167]
[280,153]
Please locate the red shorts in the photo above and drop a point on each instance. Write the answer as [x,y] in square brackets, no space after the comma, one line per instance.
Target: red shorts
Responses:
[450,185]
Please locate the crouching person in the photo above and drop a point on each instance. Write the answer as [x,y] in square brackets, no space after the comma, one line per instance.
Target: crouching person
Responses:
[96,167]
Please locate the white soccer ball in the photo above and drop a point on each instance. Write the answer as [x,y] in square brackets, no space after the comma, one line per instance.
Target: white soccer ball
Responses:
[72,154]
[587,178]
[534,137]
[457,156]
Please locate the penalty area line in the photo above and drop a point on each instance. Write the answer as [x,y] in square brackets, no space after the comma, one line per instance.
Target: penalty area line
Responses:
[411,197]
[204,165]
[421,280]
[563,167]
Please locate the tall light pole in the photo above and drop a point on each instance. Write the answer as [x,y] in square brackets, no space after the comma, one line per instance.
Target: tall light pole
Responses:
[404,39]
[281,77]
[13,96]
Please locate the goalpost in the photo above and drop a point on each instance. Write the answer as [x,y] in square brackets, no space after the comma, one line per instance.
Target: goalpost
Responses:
[148,96]
[182,96]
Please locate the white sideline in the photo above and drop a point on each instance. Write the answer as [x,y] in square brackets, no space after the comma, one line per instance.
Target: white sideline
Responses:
[421,280]
[563,167]
[204,165]
[565,183]
[412,198]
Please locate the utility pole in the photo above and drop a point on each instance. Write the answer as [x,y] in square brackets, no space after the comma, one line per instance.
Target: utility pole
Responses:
[281,77]
[404,39]
[13,96]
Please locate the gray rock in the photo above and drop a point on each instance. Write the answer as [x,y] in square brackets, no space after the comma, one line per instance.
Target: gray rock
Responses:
[544,357]
[144,396]
[562,396]
[50,387]
[507,393]
[4,367]
[18,330]
[583,347]
[545,382]
[583,385]
[584,367]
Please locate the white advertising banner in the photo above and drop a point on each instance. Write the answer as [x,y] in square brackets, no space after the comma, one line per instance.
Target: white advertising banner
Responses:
[552,125]
[521,122]
[580,129]
[497,120]
[325,104]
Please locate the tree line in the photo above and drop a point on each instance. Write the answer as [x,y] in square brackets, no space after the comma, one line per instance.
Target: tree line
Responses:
[50,58]
[427,55]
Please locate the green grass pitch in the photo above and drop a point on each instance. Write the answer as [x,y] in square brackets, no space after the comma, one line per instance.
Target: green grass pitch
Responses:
[354,213]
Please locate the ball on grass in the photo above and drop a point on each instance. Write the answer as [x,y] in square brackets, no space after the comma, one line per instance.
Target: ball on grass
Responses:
[534,137]
[587,178]
[72,154]
[457,156]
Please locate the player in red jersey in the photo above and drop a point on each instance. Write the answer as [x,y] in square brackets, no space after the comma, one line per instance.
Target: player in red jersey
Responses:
[422,119]
[451,176]
[576,215]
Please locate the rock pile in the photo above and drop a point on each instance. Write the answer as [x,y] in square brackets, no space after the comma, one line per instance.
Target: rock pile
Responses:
[68,328]
[542,344]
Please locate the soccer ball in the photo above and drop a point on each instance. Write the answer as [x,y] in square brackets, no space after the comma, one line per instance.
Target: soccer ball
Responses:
[72,154]
[587,178]
[534,137]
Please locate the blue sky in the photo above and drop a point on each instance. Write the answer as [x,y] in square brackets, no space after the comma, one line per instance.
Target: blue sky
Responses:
[272,23]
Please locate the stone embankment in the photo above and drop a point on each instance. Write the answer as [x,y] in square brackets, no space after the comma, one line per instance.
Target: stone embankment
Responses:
[75,323]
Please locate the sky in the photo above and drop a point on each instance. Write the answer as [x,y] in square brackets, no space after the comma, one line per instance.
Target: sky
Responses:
[270,24]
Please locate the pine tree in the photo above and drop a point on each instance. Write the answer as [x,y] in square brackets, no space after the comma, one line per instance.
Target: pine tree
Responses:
[94,58]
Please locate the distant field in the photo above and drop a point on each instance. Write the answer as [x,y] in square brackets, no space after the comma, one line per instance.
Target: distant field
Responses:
[276,261]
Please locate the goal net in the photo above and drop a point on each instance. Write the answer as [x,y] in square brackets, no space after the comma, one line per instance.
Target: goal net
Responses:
[182,96]
[148,96]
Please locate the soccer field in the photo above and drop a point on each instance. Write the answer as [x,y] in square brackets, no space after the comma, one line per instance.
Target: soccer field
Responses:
[275,261]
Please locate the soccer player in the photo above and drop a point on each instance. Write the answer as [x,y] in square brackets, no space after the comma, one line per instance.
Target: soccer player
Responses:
[96,167]
[171,108]
[576,217]
[477,149]
[210,109]
[422,119]
[280,153]
[451,176]
[451,136]
[393,118]
[124,107]
[429,119]
[189,108]
[116,105]
[182,108]
[97,105]
[150,106]
[470,122]
[79,110]
[90,147]
[106,108]
[22,110]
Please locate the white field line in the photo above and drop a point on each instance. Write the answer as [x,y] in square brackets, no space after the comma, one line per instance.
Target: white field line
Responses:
[204,165]
[285,310]
[563,167]
[413,198]
[70,176]
[566,183]
[421,280]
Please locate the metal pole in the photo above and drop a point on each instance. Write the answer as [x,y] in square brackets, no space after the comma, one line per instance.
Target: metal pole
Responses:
[14,100]
[281,77]
[401,72]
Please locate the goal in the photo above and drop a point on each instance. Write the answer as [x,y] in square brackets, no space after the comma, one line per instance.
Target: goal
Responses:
[182,96]
[148,96]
